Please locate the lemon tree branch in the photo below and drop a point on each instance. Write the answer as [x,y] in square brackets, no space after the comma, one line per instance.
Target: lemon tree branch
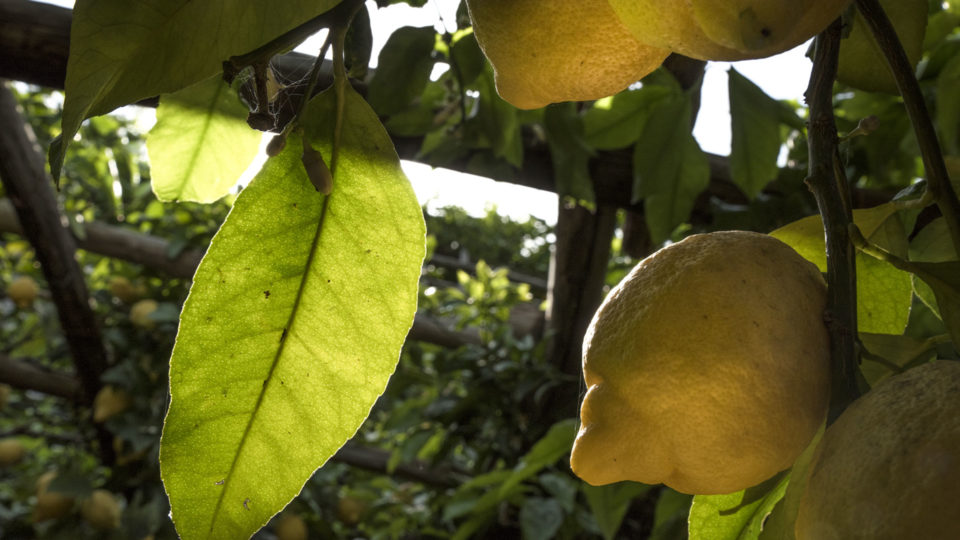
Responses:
[832,194]
[938,182]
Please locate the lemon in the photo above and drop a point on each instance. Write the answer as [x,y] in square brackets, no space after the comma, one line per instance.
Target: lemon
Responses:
[50,504]
[11,451]
[290,527]
[862,63]
[727,29]
[350,509]
[548,52]
[141,311]
[707,367]
[889,467]
[109,402]
[124,290]
[101,510]
[23,291]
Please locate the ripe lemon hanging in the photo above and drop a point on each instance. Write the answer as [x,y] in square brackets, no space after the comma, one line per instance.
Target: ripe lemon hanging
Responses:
[889,467]
[707,367]
[727,29]
[562,50]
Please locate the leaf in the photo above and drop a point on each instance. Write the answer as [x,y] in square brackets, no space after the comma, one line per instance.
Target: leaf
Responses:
[737,515]
[403,69]
[670,515]
[554,445]
[669,169]
[897,352]
[466,57]
[944,279]
[883,292]
[931,244]
[498,121]
[292,328]
[201,143]
[779,525]
[610,503]
[569,152]
[616,121]
[756,137]
[122,52]
[540,519]
[948,108]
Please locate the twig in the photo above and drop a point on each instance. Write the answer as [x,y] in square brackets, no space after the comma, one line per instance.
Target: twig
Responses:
[832,194]
[938,181]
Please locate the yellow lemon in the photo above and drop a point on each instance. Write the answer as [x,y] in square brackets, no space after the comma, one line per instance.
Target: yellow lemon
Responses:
[11,451]
[889,467]
[101,510]
[564,50]
[727,29]
[290,527]
[50,504]
[109,402]
[862,63]
[23,291]
[707,367]
[141,311]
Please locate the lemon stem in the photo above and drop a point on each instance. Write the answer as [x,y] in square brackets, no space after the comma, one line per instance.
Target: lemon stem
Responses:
[832,193]
[938,181]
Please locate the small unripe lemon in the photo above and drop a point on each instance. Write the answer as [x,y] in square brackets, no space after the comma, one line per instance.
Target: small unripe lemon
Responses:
[863,65]
[290,527]
[4,395]
[101,510]
[141,311]
[350,509]
[11,451]
[50,504]
[123,289]
[707,367]
[23,291]
[889,467]
[109,402]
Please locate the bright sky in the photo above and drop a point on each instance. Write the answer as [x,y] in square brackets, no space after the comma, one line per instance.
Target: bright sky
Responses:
[783,77]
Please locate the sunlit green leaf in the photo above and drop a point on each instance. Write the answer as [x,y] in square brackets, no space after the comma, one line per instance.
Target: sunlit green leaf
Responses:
[779,526]
[122,52]
[669,169]
[201,143]
[736,516]
[292,328]
[883,292]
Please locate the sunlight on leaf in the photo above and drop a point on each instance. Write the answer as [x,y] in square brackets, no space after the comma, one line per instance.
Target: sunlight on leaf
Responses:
[201,143]
[883,292]
[292,328]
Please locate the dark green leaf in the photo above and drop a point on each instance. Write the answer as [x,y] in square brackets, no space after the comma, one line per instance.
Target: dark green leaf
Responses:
[466,57]
[944,279]
[670,515]
[498,122]
[610,503]
[669,169]
[358,44]
[201,143]
[540,519]
[292,328]
[616,121]
[948,106]
[403,69]
[569,152]
[756,137]
[122,52]
[891,354]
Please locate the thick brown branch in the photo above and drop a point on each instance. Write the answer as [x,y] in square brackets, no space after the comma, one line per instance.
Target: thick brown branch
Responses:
[830,189]
[23,175]
[26,376]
